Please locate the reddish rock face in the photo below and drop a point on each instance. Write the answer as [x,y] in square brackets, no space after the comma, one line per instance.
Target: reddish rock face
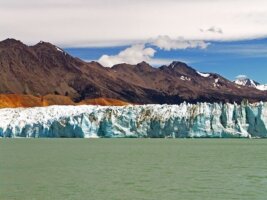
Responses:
[45,69]
[26,101]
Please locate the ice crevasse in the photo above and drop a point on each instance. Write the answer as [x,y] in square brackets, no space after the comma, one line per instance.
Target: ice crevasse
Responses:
[153,121]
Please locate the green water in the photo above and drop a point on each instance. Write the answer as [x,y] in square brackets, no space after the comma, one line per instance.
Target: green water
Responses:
[133,169]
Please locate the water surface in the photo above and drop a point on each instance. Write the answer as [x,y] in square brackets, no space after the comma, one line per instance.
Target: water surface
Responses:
[119,169]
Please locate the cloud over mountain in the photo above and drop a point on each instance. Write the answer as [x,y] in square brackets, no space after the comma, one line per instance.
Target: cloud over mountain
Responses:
[166,43]
[241,77]
[212,29]
[131,55]
[104,22]
[139,52]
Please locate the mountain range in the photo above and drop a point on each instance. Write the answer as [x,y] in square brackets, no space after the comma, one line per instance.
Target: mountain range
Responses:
[45,69]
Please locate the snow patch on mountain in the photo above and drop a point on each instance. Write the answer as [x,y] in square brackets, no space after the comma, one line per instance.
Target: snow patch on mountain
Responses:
[262,87]
[58,49]
[185,78]
[216,81]
[203,74]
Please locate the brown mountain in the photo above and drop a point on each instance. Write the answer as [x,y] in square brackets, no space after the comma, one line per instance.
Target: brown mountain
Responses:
[45,69]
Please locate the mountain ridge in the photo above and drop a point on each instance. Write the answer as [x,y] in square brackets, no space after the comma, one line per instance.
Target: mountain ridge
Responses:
[44,69]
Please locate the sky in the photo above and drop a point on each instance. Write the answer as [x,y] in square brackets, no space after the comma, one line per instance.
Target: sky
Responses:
[228,37]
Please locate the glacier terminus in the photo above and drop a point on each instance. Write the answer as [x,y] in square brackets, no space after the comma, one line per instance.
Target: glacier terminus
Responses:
[216,120]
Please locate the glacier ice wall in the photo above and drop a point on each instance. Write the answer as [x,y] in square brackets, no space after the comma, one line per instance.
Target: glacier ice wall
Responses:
[184,120]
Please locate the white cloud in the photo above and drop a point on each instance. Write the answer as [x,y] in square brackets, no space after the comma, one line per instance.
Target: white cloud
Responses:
[167,43]
[212,29]
[132,55]
[241,77]
[135,54]
[139,52]
[102,22]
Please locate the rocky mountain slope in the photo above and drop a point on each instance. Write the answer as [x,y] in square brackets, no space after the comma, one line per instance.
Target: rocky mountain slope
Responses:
[45,69]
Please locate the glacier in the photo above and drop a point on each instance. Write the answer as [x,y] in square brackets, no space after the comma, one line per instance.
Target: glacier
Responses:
[142,121]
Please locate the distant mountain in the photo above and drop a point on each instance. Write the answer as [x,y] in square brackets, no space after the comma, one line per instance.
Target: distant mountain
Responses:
[244,81]
[45,69]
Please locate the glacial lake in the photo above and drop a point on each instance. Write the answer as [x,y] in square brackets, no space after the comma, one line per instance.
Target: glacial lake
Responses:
[145,169]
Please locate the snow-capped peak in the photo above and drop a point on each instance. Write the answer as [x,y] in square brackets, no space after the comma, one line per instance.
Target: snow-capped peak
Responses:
[245,81]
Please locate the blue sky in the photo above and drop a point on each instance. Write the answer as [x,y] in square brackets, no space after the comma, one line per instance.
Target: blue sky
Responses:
[232,58]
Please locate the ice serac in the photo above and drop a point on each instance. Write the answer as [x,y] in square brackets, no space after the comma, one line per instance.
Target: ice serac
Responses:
[174,121]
